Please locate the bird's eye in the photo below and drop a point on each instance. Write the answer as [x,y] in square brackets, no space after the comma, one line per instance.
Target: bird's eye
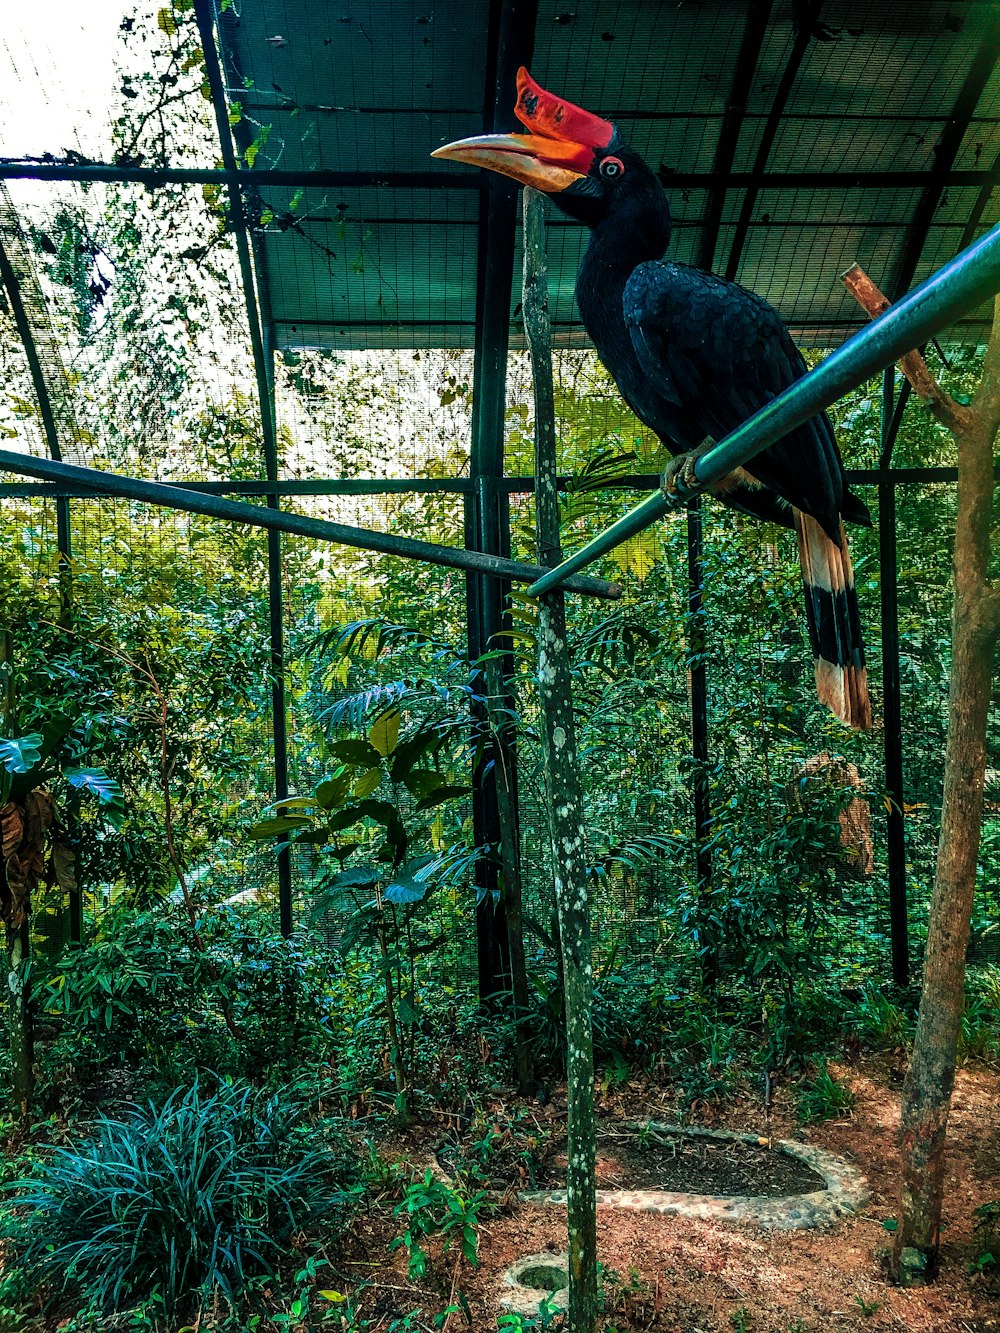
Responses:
[612,166]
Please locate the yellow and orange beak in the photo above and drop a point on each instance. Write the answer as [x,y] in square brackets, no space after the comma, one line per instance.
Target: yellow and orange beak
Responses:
[559,151]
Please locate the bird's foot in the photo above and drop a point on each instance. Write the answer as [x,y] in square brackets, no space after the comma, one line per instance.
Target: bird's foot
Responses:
[679,479]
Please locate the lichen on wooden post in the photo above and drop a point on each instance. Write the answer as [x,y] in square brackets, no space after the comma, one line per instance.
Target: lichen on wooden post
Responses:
[565,797]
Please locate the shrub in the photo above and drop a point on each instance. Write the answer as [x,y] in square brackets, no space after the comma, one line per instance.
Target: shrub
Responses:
[140,997]
[823,1098]
[184,1202]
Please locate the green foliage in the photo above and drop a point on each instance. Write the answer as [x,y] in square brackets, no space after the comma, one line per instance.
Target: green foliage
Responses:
[181,1203]
[823,1098]
[375,795]
[879,1021]
[138,996]
[433,1207]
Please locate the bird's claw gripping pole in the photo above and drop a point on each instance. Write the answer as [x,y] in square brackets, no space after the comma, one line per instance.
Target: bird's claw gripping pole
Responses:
[968,280]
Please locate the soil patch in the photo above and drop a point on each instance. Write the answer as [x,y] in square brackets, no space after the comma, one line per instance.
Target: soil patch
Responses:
[657,1160]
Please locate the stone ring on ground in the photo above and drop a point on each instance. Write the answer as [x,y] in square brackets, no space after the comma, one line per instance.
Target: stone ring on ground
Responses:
[845,1190]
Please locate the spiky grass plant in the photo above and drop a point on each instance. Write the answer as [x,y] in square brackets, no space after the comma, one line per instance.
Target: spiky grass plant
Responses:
[187,1201]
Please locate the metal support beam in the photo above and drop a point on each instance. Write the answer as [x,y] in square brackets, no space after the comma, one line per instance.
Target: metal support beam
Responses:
[263,372]
[279,715]
[448,179]
[808,15]
[64,546]
[945,152]
[758,15]
[969,279]
[510,43]
[699,733]
[26,334]
[639,481]
[892,713]
[87,482]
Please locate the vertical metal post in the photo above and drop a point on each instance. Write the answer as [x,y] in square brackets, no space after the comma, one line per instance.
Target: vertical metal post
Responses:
[263,360]
[64,545]
[699,732]
[510,43]
[279,720]
[891,694]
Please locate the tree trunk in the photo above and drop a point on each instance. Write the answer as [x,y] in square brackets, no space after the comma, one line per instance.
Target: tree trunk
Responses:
[927,1094]
[567,830]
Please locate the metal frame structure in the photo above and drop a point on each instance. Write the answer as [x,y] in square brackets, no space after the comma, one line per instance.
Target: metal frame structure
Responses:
[512,34]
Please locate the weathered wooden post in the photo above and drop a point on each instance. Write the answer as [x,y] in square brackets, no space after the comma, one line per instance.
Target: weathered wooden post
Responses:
[565,796]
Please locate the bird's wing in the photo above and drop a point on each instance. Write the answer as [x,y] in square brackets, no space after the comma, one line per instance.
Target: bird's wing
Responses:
[718,353]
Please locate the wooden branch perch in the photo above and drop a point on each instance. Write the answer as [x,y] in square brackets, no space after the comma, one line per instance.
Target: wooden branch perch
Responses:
[914,367]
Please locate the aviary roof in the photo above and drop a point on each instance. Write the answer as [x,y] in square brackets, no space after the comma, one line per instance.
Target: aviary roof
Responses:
[794,139]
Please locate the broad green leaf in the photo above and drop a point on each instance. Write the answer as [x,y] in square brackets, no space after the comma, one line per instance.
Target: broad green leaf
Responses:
[333,792]
[335,1296]
[406,1012]
[441,795]
[166,22]
[272,828]
[358,877]
[385,733]
[106,789]
[344,817]
[367,784]
[97,781]
[424,781]
[406,885]
[355,751]
[406,755]
[21,753]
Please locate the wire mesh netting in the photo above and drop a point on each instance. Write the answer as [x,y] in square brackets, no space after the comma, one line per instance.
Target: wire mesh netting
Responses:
[790,146]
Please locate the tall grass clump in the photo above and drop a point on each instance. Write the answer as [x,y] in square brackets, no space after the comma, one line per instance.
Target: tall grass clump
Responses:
[184,1202]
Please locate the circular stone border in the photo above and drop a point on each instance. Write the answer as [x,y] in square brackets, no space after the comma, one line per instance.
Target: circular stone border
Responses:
[528,1300]
[845,1191]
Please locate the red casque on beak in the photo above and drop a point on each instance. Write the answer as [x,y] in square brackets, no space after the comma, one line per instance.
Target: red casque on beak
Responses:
[559,151]
[555,118]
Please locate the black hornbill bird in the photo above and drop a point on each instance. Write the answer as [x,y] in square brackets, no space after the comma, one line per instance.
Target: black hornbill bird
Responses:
[693,356]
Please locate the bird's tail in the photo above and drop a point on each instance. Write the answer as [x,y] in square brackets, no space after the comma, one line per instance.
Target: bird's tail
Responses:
[834,622]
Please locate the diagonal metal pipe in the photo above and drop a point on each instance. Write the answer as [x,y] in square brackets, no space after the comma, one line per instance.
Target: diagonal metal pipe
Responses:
[968,280]
[88,481]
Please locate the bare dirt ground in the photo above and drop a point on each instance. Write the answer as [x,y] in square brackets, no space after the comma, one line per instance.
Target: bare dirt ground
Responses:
[682,1276]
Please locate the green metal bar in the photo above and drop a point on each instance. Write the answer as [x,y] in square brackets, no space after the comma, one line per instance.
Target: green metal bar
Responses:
[969,279]
[331,486]
[23,323]
[448,179]
[86,481]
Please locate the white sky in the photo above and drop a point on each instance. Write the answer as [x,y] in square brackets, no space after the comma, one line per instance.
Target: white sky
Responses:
[57,74]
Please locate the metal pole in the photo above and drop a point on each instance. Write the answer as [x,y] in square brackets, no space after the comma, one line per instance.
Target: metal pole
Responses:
[13,168]
[64,545]
[891,694]
[699,732]
[969,279]
[510,42]
[88,481]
